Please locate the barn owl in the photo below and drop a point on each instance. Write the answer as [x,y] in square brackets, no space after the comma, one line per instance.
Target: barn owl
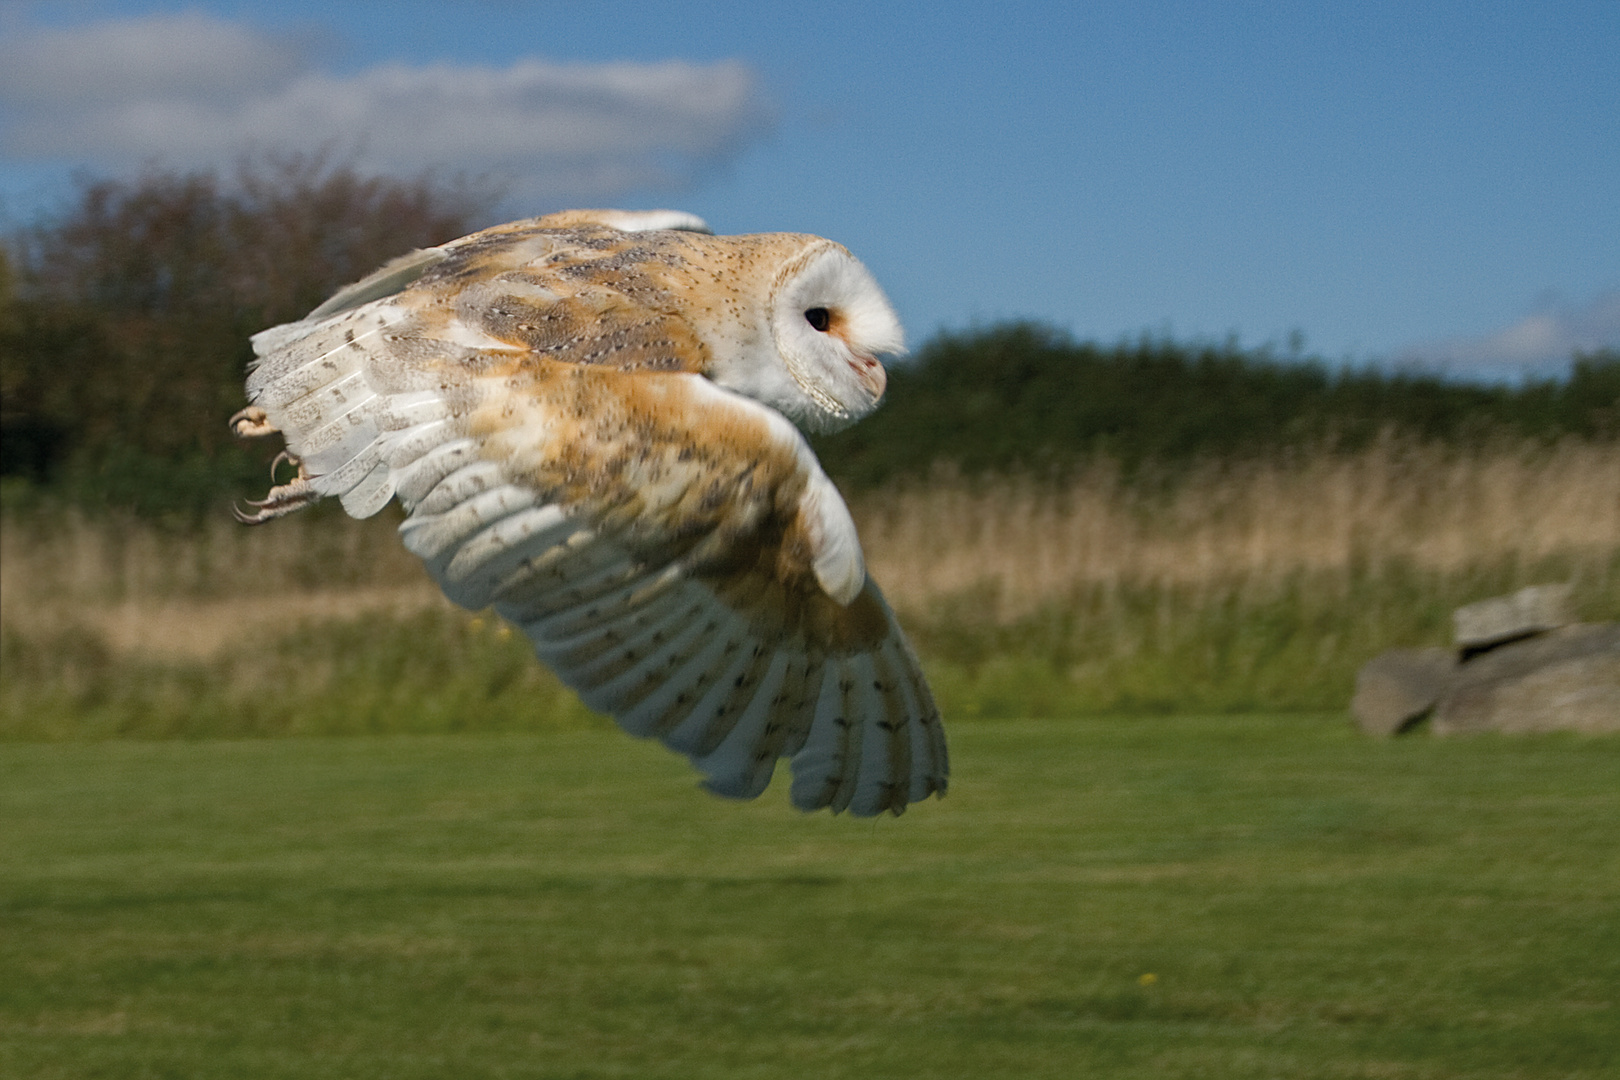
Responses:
[592,420]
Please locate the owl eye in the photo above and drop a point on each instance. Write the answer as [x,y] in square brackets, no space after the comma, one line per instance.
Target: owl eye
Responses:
[819,318]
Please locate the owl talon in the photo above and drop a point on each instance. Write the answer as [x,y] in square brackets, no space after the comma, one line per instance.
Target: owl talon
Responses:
[282,500]
[251,423]
[295,462]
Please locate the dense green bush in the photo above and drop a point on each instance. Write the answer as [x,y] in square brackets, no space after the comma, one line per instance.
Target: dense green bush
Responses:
[1020,396]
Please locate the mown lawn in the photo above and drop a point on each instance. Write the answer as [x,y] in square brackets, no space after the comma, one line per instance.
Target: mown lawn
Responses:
[1254,897]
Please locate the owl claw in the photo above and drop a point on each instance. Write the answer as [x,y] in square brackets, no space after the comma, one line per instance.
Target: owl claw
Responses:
[251,423]
[286,456]
[282,500]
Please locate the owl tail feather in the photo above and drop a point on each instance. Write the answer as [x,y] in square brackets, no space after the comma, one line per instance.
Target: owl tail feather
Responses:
[282,499]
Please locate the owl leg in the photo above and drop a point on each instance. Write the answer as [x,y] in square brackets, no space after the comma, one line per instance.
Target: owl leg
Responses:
[282,499]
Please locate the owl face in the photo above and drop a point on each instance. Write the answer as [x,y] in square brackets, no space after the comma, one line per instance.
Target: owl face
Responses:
[807,341]
[830,321]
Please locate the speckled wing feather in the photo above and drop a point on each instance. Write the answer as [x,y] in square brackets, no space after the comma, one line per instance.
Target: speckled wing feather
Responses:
[673,549]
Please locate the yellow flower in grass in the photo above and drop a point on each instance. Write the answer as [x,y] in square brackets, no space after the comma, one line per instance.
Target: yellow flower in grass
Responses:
[1147,978]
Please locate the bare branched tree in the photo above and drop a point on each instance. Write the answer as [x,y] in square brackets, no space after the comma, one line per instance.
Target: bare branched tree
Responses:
[124,319]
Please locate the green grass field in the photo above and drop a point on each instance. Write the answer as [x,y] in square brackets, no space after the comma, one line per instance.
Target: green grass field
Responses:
[1169,897]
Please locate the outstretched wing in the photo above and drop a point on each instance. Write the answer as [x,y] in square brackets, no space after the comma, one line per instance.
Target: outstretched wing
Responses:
[672,549]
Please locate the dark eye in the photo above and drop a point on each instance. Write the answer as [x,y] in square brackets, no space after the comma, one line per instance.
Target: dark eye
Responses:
[819,318]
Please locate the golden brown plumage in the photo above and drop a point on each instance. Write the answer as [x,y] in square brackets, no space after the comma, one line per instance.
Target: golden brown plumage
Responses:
[589,426]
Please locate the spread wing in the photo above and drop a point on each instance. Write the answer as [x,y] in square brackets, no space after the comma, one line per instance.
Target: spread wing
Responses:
[673,550]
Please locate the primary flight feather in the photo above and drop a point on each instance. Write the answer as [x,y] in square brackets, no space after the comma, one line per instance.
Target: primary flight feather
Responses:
[590,420]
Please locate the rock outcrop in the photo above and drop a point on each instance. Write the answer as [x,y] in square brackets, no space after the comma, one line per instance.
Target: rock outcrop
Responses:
[1521,664]
[1502,619]
[1565,680]
[1396,689]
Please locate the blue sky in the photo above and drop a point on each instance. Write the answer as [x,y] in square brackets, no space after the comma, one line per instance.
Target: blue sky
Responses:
[1435,183]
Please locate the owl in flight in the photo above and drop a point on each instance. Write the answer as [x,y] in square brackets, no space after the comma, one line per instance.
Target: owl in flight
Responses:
[590,420]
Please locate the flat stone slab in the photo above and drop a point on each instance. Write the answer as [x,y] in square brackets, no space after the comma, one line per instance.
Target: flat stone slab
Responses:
[1564,680]
[1531,610]
[1396,688]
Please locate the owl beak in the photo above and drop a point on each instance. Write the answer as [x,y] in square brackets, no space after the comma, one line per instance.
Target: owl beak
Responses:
[871,374]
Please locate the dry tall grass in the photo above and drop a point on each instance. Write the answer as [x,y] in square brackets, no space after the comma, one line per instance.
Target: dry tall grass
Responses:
[1232,586]
[1422,507]
[1021,541]
[149,590]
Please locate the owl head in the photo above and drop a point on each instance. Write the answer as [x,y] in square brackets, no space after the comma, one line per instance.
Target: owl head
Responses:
[793,321]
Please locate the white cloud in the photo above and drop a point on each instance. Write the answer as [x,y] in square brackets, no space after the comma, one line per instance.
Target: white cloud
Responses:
[66,70]
[194,90]
[1541,342]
